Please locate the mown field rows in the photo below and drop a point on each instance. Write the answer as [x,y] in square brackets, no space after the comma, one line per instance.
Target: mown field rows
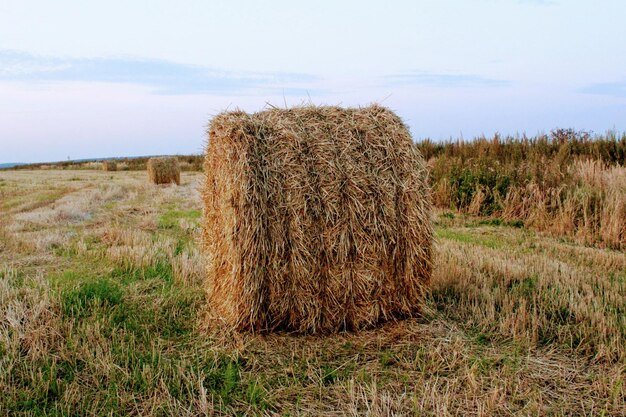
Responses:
[102,305]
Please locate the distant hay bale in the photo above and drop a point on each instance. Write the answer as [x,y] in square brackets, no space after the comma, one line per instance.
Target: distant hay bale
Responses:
[109,166]
[316,219]
[164,170]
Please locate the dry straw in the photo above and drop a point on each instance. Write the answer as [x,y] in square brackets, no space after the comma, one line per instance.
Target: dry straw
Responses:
[109,166]
[164,170]
[317,219]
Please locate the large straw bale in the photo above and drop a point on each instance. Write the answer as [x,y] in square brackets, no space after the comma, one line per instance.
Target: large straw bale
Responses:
[109,166]
[164,170]
[316,219]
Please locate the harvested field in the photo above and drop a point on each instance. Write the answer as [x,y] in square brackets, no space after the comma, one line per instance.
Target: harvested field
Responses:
[102,307]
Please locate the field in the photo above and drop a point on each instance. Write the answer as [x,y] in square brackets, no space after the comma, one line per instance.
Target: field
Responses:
[101,312]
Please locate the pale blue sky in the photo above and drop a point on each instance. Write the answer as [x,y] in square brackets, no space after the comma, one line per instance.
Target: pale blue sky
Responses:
[116,78]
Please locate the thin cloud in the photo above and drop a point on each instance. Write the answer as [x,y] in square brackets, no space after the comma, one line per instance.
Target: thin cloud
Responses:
[442,80]
[539,2]
[614,89]
[165,77]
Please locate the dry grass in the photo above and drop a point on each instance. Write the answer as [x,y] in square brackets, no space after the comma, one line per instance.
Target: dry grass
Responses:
[317,219]
[591,211]
[569,185]
[164,170]
[518,322]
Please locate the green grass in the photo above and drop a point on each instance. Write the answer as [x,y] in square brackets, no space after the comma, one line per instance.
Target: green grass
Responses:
[31,202]
[170,219]
[525,287]
[470,238]
[161,270]
[151,328]
[499,222]
[78,301]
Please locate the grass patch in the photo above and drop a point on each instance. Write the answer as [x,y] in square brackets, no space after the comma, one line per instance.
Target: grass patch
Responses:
[448,215]
[161,270]
[32,201]
[170,219]
[79,301]
[525,287]
[468,238]
[9,203]
[223,378]
[499,222]
[172,314]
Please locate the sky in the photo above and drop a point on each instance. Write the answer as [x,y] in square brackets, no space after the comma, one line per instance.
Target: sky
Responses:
[127,78]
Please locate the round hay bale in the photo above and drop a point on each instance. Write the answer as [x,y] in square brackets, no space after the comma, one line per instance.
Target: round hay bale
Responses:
[164,170]
[109,166]
[316,219]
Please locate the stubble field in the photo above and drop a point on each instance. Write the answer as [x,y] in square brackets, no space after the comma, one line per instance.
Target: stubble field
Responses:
[102,304]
